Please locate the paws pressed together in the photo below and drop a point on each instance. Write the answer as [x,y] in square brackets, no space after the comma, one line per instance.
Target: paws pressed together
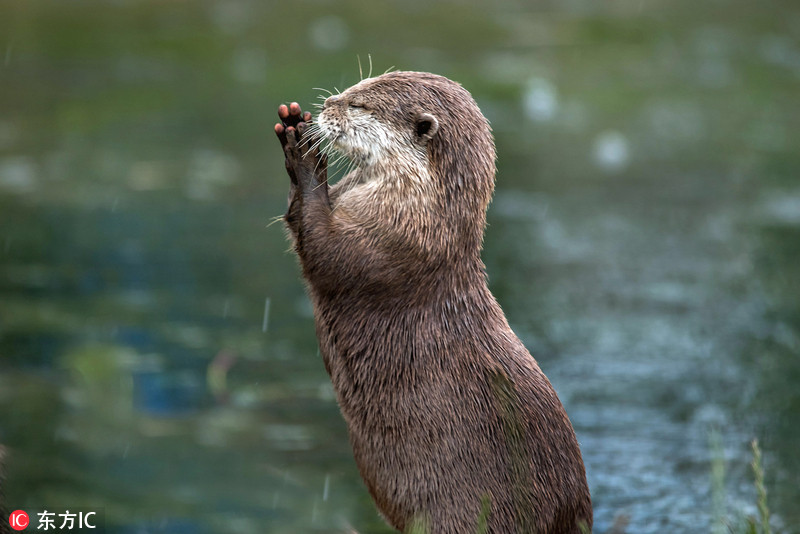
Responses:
[304,163]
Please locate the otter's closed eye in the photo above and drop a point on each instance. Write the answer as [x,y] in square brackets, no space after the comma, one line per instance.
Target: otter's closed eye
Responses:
[357,106]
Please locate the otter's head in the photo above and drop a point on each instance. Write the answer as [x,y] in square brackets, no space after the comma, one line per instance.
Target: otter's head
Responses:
[406,121]
[420,144]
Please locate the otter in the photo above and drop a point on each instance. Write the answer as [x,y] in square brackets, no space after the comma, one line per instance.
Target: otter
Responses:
[452,423]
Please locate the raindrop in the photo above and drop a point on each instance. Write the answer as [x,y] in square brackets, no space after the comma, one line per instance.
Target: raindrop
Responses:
[18,175]
[226,308]
[326,488]
[781,207]
[540,100]
[7,244]
[266,315]
[115,204]
[611,151]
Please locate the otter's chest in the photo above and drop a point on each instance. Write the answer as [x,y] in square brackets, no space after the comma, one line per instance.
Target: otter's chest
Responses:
[372,360]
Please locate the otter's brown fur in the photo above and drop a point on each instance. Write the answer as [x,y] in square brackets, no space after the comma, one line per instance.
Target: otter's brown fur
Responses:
[444,404]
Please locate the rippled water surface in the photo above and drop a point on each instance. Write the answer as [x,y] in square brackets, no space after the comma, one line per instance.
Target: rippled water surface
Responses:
[157,350]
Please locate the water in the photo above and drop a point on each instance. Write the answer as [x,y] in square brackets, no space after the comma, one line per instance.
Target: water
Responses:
[157,356]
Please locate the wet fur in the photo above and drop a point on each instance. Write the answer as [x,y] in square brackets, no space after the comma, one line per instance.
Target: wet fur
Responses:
[444,405]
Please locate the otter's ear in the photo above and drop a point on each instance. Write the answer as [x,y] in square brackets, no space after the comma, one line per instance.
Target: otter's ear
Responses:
[426,125]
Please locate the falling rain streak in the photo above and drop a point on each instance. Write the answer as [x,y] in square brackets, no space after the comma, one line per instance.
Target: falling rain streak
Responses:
[266,315]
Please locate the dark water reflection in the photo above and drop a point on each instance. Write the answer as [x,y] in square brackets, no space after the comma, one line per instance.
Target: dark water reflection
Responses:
[157,356]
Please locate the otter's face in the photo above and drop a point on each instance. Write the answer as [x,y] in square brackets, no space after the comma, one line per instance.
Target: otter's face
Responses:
[367,127]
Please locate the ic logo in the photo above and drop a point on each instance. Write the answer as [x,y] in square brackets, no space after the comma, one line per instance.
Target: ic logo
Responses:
[19,520]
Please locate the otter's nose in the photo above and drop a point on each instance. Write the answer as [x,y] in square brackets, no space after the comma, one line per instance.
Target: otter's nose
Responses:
[331,100]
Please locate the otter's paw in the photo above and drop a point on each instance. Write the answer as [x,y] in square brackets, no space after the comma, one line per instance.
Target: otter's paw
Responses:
[291,116]
[307,168]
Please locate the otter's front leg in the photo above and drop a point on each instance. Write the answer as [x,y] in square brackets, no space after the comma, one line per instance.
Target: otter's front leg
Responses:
[292,118]
[335,253]
[307,169]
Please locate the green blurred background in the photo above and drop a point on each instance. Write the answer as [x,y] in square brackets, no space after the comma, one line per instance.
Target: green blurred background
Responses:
[157,350]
